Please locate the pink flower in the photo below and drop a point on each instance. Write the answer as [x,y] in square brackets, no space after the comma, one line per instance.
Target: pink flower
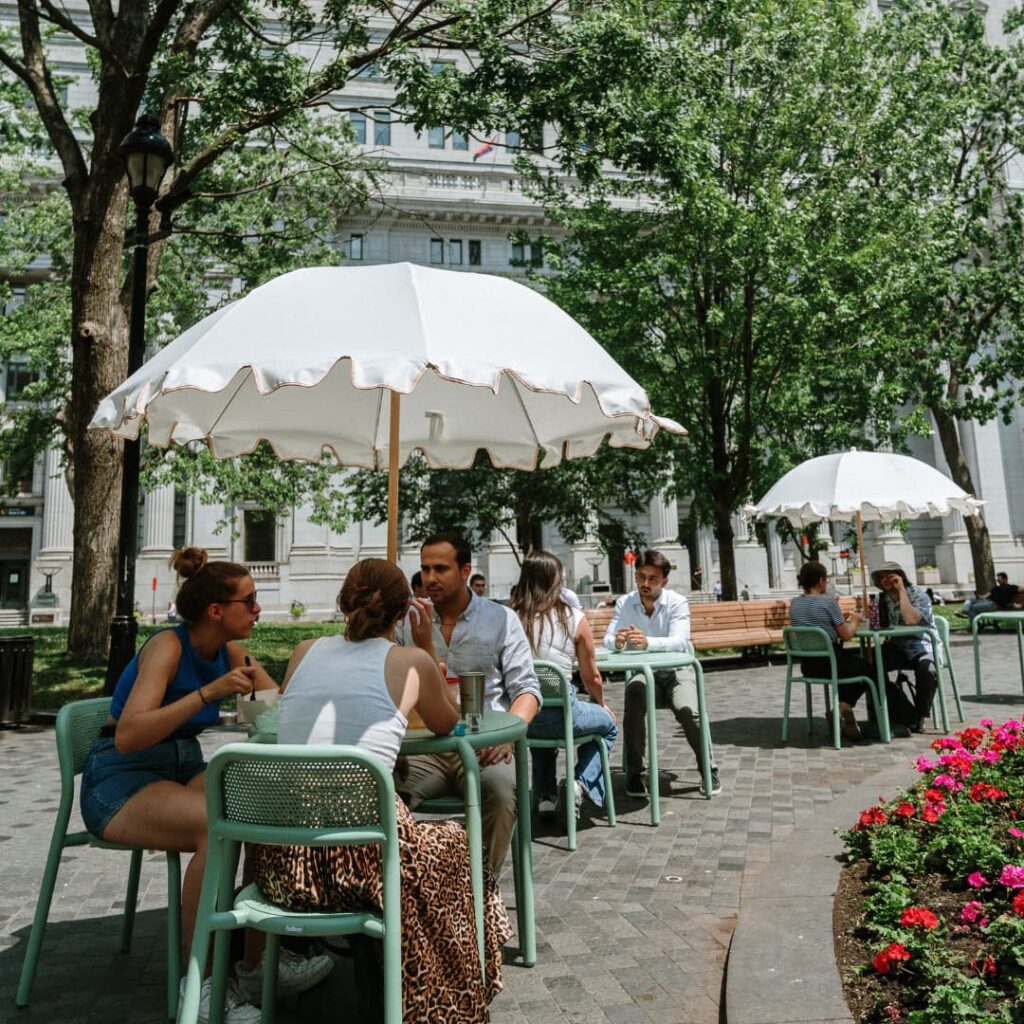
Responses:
[1015,832]
[924,765]
[976,880]
[986,723]
[947,782]
[971,912]
[989,755]
[1012,877]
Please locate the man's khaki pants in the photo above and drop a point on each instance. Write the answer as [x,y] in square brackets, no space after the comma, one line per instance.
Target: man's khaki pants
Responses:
[432,775]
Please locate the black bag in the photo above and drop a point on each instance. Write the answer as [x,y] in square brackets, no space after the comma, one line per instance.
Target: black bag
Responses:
[902,713]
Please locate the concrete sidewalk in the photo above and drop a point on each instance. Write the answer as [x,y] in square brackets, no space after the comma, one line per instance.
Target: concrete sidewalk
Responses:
[633,926]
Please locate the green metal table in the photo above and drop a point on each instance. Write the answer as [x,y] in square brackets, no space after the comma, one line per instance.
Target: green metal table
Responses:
[497,727]
[649,662]
[1017,618]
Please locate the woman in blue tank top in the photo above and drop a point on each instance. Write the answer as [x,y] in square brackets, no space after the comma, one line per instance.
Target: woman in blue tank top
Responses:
[142,783]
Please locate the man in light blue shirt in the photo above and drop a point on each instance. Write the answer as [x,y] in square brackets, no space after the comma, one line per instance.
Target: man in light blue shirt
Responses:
[653,618]
[472,634]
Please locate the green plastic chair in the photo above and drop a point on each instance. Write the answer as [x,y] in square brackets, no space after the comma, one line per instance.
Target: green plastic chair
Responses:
[78,724]
[292,795]
[555,688]
[814,642]
[942,628]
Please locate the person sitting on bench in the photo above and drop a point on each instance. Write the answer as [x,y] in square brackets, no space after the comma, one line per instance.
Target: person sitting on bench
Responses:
[1001,598]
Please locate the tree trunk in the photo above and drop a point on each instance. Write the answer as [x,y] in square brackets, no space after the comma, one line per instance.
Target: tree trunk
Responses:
[100,359]
[726,555]
[977,531]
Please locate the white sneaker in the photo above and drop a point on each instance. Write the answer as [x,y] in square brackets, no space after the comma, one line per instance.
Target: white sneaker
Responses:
[295,974]
[236,1009]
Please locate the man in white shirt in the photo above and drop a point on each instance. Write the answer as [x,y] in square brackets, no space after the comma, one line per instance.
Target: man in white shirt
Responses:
[653,618]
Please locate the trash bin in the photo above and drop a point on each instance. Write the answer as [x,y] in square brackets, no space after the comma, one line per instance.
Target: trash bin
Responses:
[16,657]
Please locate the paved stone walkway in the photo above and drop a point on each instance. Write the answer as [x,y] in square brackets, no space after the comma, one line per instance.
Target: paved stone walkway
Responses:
[632,927]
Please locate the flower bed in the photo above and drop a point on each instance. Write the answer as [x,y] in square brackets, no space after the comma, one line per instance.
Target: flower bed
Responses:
[942,922]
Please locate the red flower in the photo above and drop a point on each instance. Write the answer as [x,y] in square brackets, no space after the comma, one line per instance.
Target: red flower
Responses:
[984,967]
[934,794]
[1018,903]
[930,815]
[905,810]
[981,791]
[971,738]
[873,816]
[885,958]
[919,917]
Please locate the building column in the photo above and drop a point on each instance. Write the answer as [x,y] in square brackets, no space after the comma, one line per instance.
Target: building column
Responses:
[706,557]
[158,520]
[751,558]
[884,543]
[56,541]
[664,514]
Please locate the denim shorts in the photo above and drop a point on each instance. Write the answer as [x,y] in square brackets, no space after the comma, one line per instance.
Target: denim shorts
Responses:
[110,779]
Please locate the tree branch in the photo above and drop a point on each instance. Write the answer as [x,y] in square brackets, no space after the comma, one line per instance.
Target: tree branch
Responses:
[37,77]
[62,20]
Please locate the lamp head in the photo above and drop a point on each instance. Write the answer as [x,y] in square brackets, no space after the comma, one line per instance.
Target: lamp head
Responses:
[147,155]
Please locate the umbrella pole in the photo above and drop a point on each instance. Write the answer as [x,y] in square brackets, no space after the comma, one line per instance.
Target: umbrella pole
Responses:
[863,567]
[393,432]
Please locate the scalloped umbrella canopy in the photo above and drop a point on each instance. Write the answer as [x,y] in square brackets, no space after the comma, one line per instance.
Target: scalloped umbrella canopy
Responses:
[880,486]
[306,362]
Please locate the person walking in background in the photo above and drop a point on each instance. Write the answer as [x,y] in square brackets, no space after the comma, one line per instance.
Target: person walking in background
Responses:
[561,634]
[478,584]
[654,618]
[718,590]
[416,583]
[817,608]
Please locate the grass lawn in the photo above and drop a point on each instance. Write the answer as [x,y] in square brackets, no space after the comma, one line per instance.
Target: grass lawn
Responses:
[59,679]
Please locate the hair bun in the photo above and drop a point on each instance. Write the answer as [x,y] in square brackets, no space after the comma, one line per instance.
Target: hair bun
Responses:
[187,562]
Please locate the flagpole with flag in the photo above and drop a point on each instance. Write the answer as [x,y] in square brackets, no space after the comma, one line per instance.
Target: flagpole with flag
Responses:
[486,148]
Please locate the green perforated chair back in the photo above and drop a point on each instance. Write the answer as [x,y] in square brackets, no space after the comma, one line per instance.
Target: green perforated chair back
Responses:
[301,795]
[807,642]
[554,683]
[78,724]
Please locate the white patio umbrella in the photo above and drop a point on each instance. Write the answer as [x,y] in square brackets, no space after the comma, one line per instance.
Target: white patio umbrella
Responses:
[374,363]
[855,486]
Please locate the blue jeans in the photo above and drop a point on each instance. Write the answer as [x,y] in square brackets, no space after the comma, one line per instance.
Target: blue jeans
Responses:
[976,605]
[586,718]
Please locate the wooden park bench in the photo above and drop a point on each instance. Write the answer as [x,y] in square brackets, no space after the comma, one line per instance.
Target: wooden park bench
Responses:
[753,626]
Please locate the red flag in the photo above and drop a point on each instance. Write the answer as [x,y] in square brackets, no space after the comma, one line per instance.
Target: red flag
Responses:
[486,148]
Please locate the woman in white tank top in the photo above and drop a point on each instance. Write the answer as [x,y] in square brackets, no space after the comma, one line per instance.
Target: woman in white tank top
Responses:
[360,690]
[562,634]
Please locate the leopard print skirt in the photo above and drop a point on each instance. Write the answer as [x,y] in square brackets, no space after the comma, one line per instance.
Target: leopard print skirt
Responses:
[441,979]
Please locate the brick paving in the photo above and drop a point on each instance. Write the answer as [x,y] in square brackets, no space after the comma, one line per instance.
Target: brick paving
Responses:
[632,927]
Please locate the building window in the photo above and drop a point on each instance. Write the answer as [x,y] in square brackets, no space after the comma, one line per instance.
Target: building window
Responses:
[474,253]
[455,252]
[260,542]
[435,138]
[355,247]
[358,122]
[524,253]
[179,535]
[460,141]
[437,250]
[437,67]
[530,140]
[17,376]
[371,70]
[18,471]
[382,127]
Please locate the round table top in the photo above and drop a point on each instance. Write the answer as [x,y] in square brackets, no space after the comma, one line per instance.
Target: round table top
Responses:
[497,727]
[626,660]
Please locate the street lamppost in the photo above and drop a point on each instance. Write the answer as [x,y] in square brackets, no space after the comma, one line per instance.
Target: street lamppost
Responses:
[147,155]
